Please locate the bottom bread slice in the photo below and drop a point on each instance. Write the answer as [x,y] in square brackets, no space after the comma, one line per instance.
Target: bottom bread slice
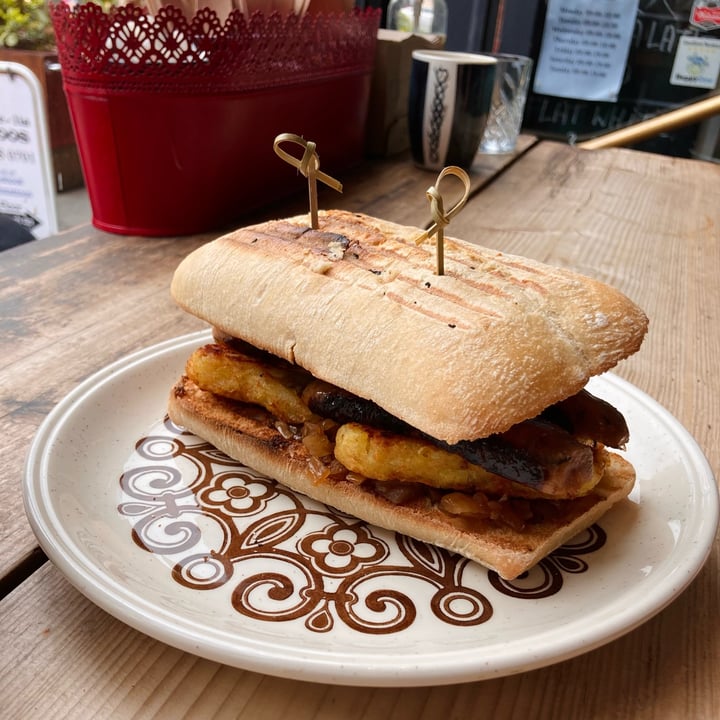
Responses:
[246,435]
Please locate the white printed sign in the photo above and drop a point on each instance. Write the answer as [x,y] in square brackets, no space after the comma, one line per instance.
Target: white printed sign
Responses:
[697,62]
[584,49]
[26,189]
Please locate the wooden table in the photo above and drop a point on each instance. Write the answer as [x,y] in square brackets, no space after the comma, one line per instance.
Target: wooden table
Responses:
[74,302]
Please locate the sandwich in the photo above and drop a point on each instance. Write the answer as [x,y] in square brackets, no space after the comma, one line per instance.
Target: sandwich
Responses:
[451,408]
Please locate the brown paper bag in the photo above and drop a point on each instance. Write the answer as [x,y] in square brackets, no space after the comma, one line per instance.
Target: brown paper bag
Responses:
[386,131]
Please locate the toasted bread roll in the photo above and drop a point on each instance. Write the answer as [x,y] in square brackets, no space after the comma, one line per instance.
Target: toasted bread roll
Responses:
[247,434]
[357,303]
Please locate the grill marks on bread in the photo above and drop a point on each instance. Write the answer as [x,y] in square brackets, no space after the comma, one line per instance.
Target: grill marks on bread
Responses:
[403,271]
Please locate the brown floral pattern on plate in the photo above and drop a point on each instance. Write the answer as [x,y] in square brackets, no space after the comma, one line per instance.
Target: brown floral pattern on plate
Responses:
[296,560]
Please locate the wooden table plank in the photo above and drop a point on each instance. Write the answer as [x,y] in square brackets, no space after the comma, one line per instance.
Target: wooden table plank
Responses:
[66,658]
[396,190]
[54,336]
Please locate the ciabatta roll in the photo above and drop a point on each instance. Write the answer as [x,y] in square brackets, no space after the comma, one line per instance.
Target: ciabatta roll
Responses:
[479,370]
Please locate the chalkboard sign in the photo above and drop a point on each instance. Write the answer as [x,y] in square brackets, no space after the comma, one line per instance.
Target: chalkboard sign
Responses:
[664,38]
[26,185]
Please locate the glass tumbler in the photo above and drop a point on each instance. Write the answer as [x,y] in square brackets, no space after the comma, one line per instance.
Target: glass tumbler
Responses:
[512,78]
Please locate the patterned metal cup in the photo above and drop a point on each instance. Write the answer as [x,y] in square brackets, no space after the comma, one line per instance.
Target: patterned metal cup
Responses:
[449,101]
[512,79]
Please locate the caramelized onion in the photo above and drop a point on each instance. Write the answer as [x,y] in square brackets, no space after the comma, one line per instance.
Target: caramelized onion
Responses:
[400,493]
[457,503]
[318,468]
[355,478]
[287,431]
[317,445]
[515,513]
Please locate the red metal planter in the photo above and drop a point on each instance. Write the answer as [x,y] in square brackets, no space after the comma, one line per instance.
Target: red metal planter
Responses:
[175,117]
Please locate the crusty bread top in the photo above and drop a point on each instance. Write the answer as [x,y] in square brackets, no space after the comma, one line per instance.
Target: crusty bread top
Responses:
[493,341]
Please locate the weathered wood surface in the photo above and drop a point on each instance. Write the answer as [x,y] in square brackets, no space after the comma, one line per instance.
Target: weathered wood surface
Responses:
[648,224]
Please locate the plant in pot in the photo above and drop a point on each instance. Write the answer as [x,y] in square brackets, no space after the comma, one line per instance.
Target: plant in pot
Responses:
[25,25]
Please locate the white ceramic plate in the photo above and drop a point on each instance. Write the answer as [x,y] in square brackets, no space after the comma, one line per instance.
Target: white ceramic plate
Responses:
[207,556]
